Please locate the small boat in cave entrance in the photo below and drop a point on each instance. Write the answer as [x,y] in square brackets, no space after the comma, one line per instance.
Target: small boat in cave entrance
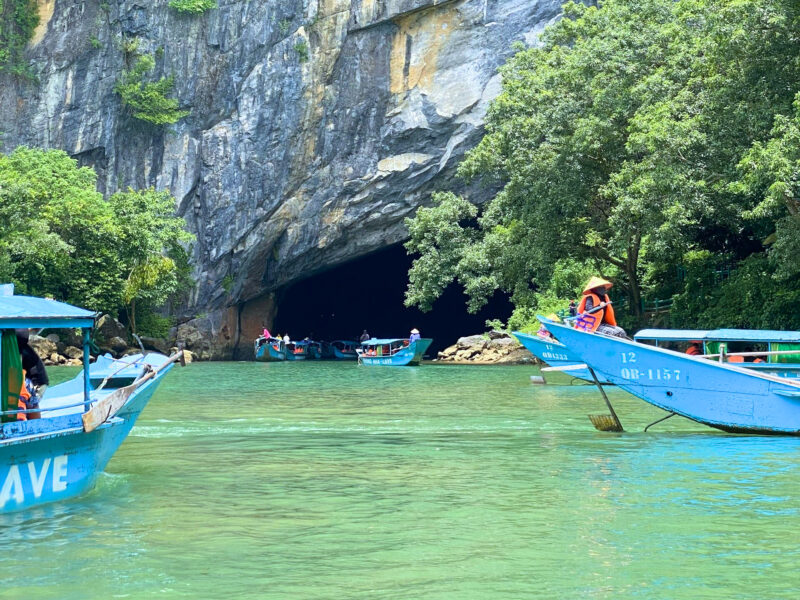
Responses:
[396,352]
[344,350]
[269,349]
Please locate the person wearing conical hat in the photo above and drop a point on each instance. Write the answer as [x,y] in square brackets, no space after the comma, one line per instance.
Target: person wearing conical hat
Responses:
[595,312]
[414,335]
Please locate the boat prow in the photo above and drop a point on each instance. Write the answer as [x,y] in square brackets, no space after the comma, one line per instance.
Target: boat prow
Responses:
[719,395]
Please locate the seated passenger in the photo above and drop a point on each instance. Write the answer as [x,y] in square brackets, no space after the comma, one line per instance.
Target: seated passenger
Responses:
[36,374]
[694,349]
[595,311]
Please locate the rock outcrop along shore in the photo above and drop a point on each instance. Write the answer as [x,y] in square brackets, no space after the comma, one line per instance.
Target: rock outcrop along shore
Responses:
[494,348]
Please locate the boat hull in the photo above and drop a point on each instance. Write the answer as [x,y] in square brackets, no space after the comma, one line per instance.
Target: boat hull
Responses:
[408,356]
[723,396]
[55,466]
[268,353]
[53,458]
[555,354]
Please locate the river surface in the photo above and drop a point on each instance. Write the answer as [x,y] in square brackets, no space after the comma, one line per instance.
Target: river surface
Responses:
[330,480]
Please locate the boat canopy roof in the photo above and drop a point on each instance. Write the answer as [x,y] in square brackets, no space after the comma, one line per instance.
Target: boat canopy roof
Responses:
[718,335]
[31,312]
[377,342]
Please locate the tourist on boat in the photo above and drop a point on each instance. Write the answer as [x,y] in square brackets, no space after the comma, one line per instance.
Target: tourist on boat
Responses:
[694,349]
[414,336]
[595,312]
[286,339]
[36,379]
[364,336]
[573,308]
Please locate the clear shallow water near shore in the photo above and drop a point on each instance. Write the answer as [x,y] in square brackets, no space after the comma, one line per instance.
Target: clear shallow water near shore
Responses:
[329,480]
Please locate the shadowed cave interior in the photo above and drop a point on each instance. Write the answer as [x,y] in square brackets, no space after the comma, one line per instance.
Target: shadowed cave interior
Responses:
[368,293]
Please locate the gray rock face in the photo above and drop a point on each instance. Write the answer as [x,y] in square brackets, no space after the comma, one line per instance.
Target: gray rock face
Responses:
[285,166]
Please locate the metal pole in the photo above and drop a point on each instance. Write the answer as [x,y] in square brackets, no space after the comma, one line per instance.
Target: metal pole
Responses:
[86,387]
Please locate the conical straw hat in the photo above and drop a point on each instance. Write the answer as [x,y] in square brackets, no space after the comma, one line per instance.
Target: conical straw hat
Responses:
[596,282]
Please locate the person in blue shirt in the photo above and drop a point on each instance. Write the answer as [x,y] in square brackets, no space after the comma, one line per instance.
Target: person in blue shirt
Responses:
[414,336]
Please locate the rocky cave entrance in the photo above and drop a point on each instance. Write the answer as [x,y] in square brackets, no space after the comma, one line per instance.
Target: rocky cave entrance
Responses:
[368,293]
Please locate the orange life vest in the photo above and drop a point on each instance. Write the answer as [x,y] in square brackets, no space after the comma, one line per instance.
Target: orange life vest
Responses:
[22,401]
[592,321]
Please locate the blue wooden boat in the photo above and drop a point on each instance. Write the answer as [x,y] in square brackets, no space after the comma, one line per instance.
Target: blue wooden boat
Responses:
[780,354]
[555,354]
[395,352]
[719,395]
[344,350]
[269,349]
[60,455]
[295,351]
[314,350]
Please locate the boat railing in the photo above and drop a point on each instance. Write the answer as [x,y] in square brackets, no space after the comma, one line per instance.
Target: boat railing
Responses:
[42,410]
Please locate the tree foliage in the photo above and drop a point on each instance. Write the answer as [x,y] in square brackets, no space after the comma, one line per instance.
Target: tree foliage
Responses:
[148,100]
[60,238]
[638,131]
[194,7]
[18,20]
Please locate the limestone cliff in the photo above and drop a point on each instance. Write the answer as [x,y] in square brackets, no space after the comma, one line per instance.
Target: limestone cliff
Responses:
[316,126]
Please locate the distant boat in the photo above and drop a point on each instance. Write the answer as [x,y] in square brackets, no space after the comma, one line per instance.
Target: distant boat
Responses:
[719,395]
[314,350]
[396,352]
[344,350]
[295,350]
[60,455]
[269,349]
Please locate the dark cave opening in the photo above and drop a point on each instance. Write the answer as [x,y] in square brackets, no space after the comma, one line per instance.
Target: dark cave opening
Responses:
[368,293]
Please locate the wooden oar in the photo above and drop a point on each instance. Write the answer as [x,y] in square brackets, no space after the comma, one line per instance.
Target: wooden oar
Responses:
[109,406]
[605,422]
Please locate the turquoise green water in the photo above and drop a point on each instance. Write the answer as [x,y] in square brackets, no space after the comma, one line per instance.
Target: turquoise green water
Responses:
[329,480]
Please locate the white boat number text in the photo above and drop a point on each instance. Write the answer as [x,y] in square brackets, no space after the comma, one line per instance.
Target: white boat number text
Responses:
[636,374]
[37,477]
[552,355]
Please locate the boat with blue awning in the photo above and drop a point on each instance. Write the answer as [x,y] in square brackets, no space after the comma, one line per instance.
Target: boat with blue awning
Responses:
[721,395]
[269,349]
[394,352]
[81,424]
[770,351]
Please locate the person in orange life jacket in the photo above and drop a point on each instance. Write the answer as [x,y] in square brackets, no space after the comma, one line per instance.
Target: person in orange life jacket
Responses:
[36,379]
[694,349]
[603,320]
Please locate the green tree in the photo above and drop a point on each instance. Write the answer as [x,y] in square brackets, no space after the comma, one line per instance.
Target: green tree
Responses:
[148,101]
[59,237]
[616,144]
[151,247]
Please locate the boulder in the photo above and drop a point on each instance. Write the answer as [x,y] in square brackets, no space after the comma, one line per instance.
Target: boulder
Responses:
[188,356]
[470,341]
[108,328]
[494,334]
[72,352]
[71,337]
[504,344]
[53,337]
[42,346]
[157,344]
[117,344]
